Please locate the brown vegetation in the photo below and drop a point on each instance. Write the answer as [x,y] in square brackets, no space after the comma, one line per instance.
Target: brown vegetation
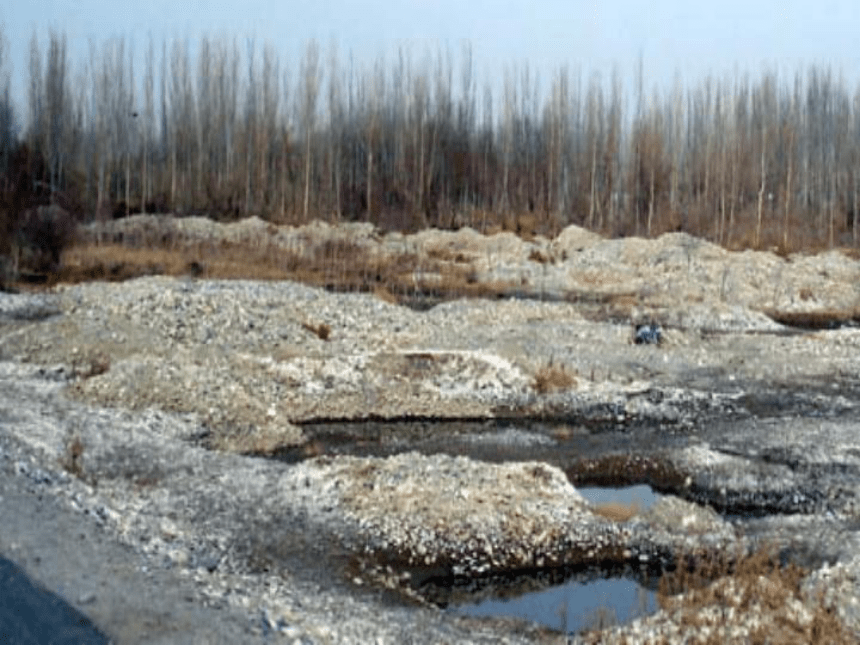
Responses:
[714,595]
[745,162]
[755,583]
[72,457]
[335,265]
[322,330]
[90,364]
[822,319]
[553,378]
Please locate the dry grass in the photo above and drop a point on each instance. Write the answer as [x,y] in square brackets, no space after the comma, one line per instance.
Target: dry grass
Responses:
[704,595]
[553,378]
[322,330]
[536,255]
[72,458]
[384,294]
[338,265]
[821,319]
[749,599]
[263,439]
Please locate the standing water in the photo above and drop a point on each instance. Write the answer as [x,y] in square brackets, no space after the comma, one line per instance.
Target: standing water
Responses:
[574,606]
[640,496]
[578,604]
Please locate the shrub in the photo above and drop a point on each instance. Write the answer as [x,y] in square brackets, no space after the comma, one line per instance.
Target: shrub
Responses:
[72,457]
[90,364]
[552,378]
[42,235]
[322,330]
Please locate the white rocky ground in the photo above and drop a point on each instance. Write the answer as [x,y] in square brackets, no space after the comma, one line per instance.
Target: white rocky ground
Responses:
[123,385]
[670,274]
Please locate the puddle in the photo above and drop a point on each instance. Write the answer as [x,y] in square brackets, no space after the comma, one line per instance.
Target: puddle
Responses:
[566,444]
[572,606]
[578,603]
[640,496]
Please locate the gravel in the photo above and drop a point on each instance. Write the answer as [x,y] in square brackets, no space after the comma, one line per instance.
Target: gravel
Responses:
[142,411]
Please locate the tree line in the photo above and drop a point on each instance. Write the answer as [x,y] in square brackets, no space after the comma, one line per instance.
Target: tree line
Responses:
[228,130]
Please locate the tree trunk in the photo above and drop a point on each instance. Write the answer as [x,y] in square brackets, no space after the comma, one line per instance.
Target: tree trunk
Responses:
[651,202]
[785,223]
[307,176]
[760,202]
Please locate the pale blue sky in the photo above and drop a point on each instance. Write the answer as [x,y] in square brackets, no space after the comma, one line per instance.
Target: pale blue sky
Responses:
[693,38]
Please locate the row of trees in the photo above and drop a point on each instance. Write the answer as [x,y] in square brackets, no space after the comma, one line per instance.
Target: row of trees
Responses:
[228,130]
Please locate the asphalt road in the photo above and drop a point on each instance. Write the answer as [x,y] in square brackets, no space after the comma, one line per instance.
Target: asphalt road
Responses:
[32,615]
[65,580]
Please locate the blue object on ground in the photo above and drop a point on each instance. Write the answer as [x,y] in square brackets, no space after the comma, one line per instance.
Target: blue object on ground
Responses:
[649,334]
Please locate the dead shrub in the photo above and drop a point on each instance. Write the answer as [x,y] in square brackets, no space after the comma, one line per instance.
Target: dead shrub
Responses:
[755,582]
[196,269]
[536,255]
[72,458]
[553,378]
[90,364]
[322,330]
[447,255]
[383,293]
[43,233]
[8,272]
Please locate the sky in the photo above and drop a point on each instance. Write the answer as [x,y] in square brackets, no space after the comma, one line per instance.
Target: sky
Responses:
[682,39]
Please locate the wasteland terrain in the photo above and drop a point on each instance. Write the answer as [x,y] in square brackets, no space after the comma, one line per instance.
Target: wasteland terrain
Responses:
[329,434]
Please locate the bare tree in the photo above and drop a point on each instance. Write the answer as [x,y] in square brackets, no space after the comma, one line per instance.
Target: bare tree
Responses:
[285,144]
[740,160]
[99,109]
[310,78]
[7,112]
[465,183]
[251,116]
[509,123]
[269,99]
[372,90]
[594,135]
[336,129]
[611,152]
[57,108]
[226,117]
[146,124]
[36,94]
[126,126]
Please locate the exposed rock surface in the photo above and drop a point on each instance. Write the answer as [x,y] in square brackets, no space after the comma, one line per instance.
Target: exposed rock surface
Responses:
[113,396]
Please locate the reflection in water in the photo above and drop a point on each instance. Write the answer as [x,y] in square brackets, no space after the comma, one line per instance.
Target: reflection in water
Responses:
[641,495]
[573,606]
[576,605]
